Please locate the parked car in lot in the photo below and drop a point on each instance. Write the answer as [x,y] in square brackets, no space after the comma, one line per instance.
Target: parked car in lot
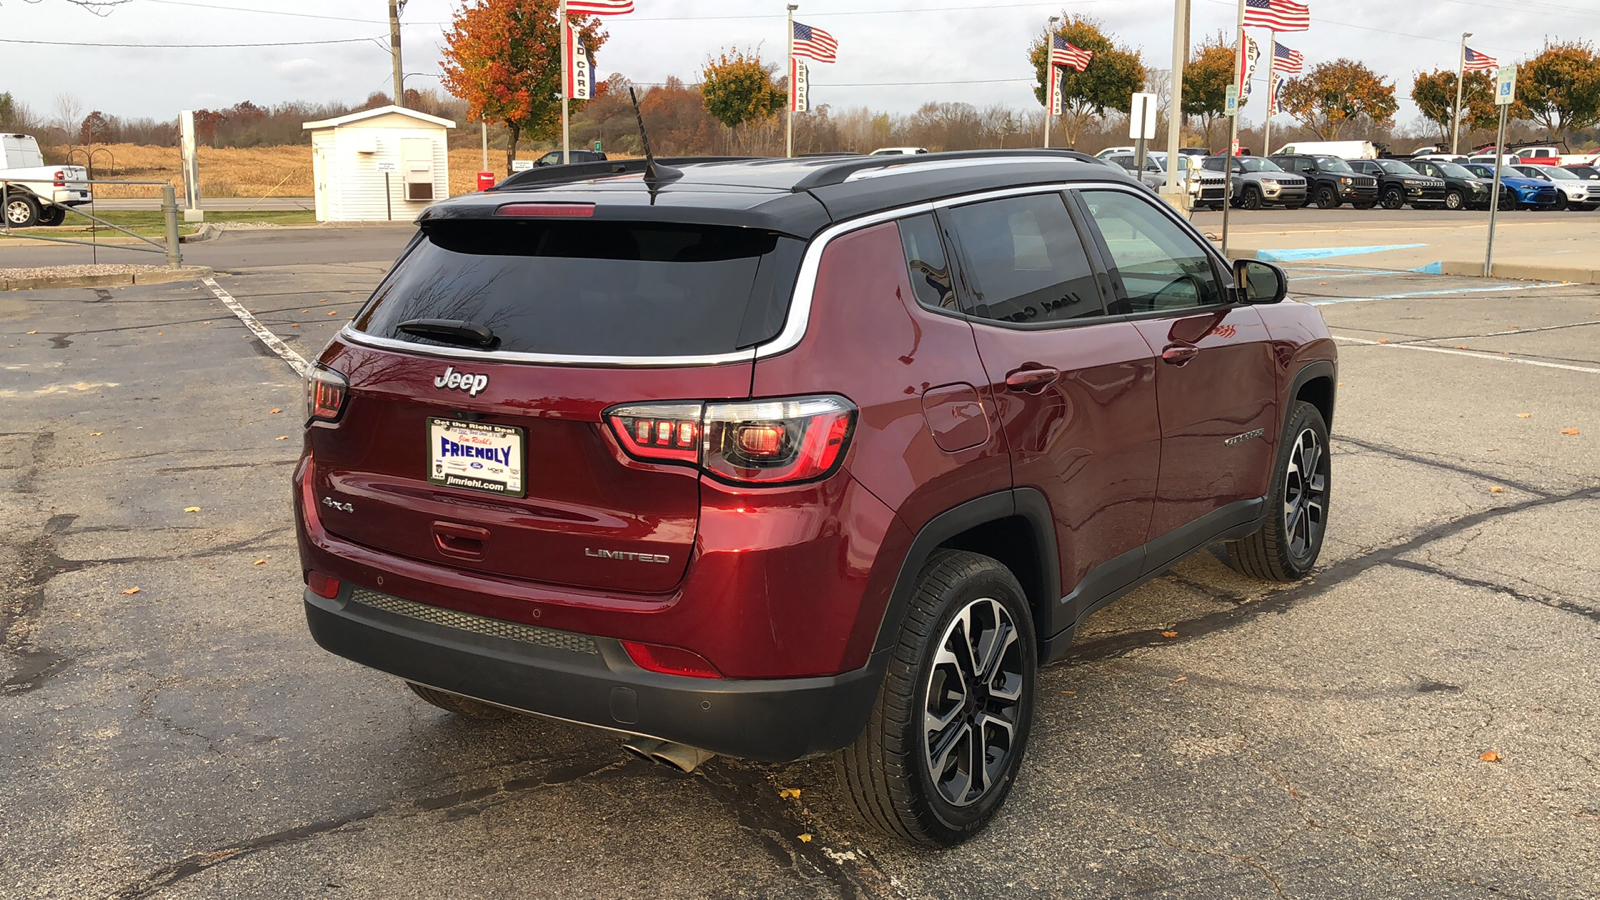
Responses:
[553,158]
[714,457]
[1462,189]
[1152,176]
[1258,182]
[1342,149]
[1204,186]
[37,194]
[1532,193]
[1575,192]
[1587,173]
[1331,182]
[1399,184]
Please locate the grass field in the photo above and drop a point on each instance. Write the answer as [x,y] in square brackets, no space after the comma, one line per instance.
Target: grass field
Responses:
[242,171]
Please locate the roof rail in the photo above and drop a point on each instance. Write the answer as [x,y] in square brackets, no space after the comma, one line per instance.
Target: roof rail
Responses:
[838,172]
[586,171]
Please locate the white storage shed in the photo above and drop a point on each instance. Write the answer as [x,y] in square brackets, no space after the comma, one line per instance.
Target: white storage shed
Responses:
[379,164]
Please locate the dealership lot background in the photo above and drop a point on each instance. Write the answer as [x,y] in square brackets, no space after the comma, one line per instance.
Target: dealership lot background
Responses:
[1321,740]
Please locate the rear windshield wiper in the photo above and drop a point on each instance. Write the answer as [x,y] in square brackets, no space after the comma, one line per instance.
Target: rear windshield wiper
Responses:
[452,331]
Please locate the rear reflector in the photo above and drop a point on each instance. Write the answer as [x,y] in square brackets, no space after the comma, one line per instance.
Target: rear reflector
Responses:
[669,660]
[322,585]
[547,210]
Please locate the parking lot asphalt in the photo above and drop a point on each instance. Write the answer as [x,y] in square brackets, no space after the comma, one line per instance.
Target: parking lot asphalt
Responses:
[170,729]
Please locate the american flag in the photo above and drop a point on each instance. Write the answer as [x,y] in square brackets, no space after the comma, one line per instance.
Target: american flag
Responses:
[1064,54]
[1478,62]
[815,44]
[1287,61]
[599,7]
[1278,15]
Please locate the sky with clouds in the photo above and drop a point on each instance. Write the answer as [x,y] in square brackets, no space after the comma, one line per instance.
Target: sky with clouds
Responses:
[894,54]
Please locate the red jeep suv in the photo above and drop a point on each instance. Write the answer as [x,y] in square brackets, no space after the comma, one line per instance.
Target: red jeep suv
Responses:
[774,458]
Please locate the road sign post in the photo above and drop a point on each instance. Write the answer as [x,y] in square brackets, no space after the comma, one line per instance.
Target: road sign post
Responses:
[1505,94]
[1142,127]
[1230,108]
[388,194]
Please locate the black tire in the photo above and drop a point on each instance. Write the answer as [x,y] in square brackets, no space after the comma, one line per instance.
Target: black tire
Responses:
[1287,545]
[1393,198]
[1250,198]
[461,706]
[22,211]
[1562,203]
[1454,199]
[1365,204]
[1327,197]
[889,770]
[52,216]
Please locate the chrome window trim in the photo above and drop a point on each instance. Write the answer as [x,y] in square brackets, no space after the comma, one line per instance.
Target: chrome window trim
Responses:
[799,317]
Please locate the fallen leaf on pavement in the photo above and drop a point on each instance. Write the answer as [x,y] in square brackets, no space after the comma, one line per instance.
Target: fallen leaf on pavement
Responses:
[1169,634]
[33,332]
[790,793]
[96,433]
[333,312]
[805,838]
[1383,340]
[1462,347]
[1180,678]
[259,562]
[281,437]
[191,509]
[1497,489]
[276,410]
[132,590]
[1070,693]
[1569,431]
[1524,415]
[1490,756]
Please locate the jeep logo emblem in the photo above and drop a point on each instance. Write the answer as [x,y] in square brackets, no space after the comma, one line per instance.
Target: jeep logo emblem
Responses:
[452,380]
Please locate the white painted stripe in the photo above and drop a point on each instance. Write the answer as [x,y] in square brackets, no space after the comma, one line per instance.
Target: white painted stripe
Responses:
[1494,357]
[272,341]
[1466,290]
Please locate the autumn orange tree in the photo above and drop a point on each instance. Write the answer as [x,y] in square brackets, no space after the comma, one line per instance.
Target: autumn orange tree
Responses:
[1560,88]
[736,88]
[1335,94]
[504,58]
[1205,81]
[1113,76]
[1435,95]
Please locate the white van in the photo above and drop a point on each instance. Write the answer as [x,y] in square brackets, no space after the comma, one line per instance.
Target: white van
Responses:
[1341,149]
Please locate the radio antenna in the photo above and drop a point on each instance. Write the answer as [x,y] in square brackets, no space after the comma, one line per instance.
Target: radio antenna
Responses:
[654,175]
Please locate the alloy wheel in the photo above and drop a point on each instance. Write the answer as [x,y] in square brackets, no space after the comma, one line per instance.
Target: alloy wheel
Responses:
[1305,494]
[17,212]
[1453,200]
[974,692]
[1393,199]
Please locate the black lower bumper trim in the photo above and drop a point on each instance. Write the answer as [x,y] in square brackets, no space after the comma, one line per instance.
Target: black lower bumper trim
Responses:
[775,720]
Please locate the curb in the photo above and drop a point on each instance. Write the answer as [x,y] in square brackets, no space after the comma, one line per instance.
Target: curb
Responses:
[115,279]
[1522,271]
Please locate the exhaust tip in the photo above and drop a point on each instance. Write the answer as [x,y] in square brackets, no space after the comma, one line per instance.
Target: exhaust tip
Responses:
[678,756]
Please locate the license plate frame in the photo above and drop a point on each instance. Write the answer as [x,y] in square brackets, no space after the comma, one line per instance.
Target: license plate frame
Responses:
[477,456]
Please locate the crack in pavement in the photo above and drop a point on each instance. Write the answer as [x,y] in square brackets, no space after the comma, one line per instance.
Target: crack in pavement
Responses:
[196,863]
[1592,615]
[1435,463]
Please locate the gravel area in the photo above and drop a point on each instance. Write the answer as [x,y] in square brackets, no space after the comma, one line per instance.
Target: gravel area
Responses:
[77,270]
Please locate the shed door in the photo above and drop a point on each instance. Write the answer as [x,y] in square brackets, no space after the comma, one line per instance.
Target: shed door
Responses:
[416,160]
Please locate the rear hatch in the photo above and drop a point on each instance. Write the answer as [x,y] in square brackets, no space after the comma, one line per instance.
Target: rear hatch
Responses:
[497,459]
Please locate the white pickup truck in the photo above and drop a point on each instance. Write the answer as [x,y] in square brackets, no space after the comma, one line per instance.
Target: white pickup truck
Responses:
[37,194]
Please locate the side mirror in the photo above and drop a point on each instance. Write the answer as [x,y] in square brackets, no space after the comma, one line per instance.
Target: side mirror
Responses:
[1259,282]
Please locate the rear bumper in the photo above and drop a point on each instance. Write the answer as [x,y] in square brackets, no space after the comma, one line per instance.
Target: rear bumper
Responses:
[591,680]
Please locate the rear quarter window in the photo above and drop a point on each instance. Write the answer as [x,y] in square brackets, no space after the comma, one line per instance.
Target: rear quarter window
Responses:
[608,289]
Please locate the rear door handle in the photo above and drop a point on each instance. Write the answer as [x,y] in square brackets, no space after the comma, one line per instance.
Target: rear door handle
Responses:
[1179,354]
[1031,380]
[463,541]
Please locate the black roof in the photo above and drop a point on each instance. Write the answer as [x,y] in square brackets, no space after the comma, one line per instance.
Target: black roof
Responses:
[799,197]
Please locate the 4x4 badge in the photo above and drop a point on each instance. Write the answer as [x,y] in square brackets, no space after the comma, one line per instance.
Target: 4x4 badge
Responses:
[460,381]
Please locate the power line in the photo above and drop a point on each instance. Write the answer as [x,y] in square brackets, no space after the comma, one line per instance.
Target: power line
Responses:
[183,46]
[265,12]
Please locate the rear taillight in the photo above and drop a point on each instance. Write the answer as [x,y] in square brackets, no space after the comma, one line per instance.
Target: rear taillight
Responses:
[326,391]
[322,585]
[61,179]
[783,441]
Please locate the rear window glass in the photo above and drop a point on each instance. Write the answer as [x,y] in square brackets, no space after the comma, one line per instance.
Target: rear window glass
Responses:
[615,289]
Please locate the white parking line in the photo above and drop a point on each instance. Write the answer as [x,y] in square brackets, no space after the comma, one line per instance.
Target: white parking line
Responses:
[1494,357]
[272,341]
[1437,293]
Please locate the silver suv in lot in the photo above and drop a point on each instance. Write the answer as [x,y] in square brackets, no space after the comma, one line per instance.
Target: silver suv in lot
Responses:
[1259,182]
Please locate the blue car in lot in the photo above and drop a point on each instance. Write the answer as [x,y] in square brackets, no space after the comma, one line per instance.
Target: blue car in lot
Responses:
[1531,192]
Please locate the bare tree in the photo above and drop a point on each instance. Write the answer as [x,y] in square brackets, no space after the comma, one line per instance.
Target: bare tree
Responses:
[98,7]
[69,112]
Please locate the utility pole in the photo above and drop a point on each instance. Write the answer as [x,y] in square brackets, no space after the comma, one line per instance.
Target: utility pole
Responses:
[395,7]
[1461,77]
[1049,77]
[788,124]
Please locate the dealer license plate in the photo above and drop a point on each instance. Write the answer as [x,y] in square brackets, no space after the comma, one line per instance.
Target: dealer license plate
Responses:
[476,456]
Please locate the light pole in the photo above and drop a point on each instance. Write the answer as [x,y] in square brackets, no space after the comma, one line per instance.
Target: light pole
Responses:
[1180,55]
[1049,77]
[1461,76]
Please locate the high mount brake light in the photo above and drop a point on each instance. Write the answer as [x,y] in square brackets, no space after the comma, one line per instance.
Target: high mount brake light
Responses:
[547,210]
[783,441]
[326,392]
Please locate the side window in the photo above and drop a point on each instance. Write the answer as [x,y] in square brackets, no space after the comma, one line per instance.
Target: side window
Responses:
[925,258]
[1023,260]
[1158,264]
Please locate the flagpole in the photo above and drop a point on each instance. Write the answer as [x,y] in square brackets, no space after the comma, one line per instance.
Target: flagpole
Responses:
[561,22]
[1272,75]
[1050,86]
[1233,129]
[1461,77]
[788,128]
